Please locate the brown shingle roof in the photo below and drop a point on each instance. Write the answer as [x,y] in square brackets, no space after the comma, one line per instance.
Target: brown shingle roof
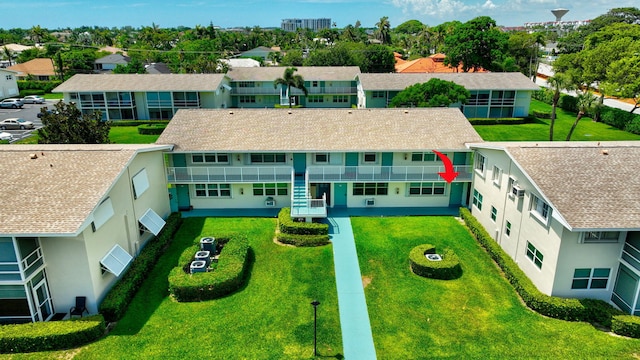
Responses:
[471,81]
[141,82]
[55,193]
[302,130]
[42,67]
[309,73]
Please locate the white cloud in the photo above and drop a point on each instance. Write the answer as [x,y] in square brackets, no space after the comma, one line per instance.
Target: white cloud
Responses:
[432,7]
[488,5]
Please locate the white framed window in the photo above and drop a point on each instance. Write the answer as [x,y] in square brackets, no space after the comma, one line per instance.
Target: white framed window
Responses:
[378,94]
[424,157]
[597,278]
[494,213]
[321,158]
[510,184]
[540,209]
[480,164]
[9,77]
[213,190]
[315,98]
[496,176]
[370,189]
[340,98]
[427,188]
[116,260]
[477,199]
[247,99]
[140,183]
[507,229]
[210,158]
[270,189]
[534,255]
[151,222]
[268,158]
[369,158]
[598,237]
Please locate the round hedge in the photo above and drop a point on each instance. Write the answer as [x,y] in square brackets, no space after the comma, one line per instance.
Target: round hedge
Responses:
[446,269]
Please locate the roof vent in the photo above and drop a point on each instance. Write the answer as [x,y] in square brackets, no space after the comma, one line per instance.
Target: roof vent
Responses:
[604,152]
[349,112]
[406,111]
[230,112]
[289,112]
[33,156]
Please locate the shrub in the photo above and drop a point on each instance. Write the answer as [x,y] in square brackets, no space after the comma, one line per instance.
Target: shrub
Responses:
[545,95]
[499,121]
[626,325]
[542,114]
[568,103]
[288,226]
[44,86]
[560,308]
[229,275]
[117,300]
[633,126]
[303,240]
[616,117]
[447,269]
[50,335]
[138,122]
[151,129]
[24,93]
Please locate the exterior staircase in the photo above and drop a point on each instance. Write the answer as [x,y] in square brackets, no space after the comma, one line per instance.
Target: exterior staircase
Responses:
[302,204]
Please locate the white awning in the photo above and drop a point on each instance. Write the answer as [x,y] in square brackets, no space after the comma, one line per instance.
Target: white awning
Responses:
[140,183]
[152,222]
[116,260]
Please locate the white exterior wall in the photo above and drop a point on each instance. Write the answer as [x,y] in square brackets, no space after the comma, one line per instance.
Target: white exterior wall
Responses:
[241,198]
[8,87]
[521,106]
[402,199]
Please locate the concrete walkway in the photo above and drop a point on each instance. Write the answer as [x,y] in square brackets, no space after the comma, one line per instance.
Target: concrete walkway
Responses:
[357,340]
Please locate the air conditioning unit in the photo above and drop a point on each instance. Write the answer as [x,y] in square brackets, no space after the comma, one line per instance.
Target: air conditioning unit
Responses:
[270,202]
[370,202]
[517,191]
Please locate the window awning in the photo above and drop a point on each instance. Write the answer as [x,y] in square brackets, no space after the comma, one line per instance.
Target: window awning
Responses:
[116,260]
[103,213]
[140,183]
[152,222]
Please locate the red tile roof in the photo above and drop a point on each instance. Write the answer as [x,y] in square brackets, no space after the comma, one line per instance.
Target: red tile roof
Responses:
[431,64]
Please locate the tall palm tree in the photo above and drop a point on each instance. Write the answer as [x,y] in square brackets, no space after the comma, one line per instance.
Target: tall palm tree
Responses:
[383,31]
[586,102]
[8,54]
[558,82]
[290,80]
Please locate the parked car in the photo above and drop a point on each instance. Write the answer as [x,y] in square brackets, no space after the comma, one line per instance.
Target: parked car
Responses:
[15,124]
[47,111]
[6,136]
[11,103]
[33,99]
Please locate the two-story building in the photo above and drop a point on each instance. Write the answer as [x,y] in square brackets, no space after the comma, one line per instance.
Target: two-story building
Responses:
[8,84]
[310,159]
[567,213]
[74,217]
[145,96]
[493,95]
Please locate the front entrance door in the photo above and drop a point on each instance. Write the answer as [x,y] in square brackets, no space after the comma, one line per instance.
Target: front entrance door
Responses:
[320,189]
[299,163]
[184,203]
[340,195]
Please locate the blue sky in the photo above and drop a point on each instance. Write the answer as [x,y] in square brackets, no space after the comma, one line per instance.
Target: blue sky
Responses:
[53,14]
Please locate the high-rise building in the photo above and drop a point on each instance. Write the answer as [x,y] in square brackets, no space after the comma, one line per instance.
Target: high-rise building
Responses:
[311,24]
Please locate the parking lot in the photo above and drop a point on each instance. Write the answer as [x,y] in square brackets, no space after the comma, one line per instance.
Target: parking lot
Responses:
[28,112]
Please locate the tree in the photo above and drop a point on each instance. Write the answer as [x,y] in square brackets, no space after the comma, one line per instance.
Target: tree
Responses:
[8,54]
[383,30]
[290,80]
[476,44]
[433,93]
[410,27]
[623,80]
[292,58]
[134,66]
[37,34]
[67,125]
[558,82]
[585,103]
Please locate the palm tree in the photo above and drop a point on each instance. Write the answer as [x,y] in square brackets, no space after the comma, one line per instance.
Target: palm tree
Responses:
[290,80]
[8,54]
[558,83]
[586,101]
[383,32]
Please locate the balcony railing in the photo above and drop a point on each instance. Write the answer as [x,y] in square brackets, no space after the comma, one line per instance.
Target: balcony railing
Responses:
[235,174]
[258,90]
[310,207]
[385,173]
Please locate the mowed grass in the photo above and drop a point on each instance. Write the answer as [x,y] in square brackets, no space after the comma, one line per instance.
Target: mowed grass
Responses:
[587,130]
[117,135]
[270,318]
[476,316]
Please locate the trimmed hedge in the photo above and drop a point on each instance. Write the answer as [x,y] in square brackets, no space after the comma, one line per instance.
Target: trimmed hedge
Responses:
[138,122]
[589,310]
[37,85]
[542,114]
[151,129]
[288,226]
[117,300]
[626,325]
[303,240]
[50,335]
[229,275]
[447,269]
[499,121]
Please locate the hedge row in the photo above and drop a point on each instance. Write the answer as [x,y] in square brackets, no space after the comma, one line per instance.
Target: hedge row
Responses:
[590,310]
[626,325]
[151,129]
[138,122]
[50,335]
[499,121]
[117,300]
[447,269]
[303,240]
[229,275]
[288,226]
[43,86]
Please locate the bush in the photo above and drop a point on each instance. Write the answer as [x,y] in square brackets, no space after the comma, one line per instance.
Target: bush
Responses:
[303,240]
[626,325]
[229,275]
[542,114]
[560,308]
[50,335]
[44,86]
[499,121]
[151,129]
[288,226]
[568,103]
[447,269]
[117,300]
[138,122]
[616,117]
[24,93]
[545,95]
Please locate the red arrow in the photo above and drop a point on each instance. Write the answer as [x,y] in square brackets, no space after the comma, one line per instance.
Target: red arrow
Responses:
[448,175]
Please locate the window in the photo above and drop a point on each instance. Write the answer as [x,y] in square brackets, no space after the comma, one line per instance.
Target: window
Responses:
[494,214]
[268,158]
[210,158]
[590,278]
[510,185]
[270,189]
[591,237]
[480,163]
[370,189]
[378,95]
[140,183]
[507,229]
[534,255]
[213,190]
[246,99]
[427,188]
[246,84]
[9,77]
[540,208]
[424,157]
[315,99]
[496,175]
[102,214]
[321,158]
[340,98]
[152,222]
[477,199]
[116,260]
[369,158]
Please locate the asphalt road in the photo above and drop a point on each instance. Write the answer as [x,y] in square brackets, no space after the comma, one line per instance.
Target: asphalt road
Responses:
[28,112]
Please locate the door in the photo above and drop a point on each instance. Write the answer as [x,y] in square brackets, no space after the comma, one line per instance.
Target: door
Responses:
[320,189]
[42,300]
[340,195]
[299,163]
[455,195]
[625,291]
[184,202]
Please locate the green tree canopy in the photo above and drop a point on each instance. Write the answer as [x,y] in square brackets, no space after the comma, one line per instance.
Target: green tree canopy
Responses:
[67,125]
[289,79]
[433,93]
[410,27]
[134,66]
[476,44]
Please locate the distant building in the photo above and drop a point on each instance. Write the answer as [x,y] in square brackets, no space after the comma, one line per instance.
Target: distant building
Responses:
[311,24]
[39,69]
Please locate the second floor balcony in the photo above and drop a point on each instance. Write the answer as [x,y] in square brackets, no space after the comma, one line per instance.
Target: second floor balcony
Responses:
[385,173]
[265,90]
[228,174]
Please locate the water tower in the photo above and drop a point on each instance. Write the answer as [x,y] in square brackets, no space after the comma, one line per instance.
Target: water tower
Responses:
[559,13]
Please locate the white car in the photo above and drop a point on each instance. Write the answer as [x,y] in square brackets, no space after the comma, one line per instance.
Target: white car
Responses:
[6,136]
[33,99]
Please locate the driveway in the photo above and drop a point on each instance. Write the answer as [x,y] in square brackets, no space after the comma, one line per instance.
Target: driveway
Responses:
[28,112]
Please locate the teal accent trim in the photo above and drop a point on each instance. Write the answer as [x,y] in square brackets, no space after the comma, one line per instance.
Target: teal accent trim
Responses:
[460,158]
[300,163]
[340,194]
[184,202]
[455,194]
[351,159]
[387,159]
[179,160]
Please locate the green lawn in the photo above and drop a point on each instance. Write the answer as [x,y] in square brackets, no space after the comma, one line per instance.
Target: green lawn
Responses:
[477,316]
[587,130]
[117,134]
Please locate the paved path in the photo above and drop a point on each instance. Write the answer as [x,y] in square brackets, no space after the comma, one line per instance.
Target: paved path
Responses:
[357,340]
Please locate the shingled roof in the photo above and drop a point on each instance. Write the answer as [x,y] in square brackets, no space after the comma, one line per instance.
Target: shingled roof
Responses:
[471,81]
[141,82]
[309,73]
[54,193]
[309,130]
[592,185]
